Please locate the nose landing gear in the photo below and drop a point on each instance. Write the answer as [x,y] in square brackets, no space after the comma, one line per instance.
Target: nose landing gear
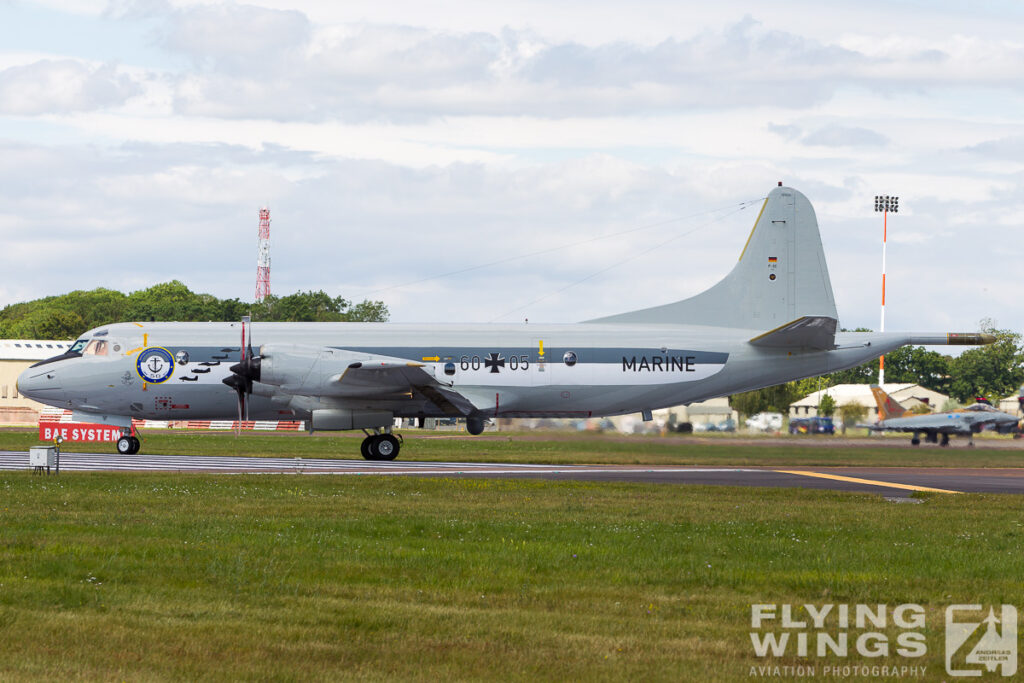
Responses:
[128,445]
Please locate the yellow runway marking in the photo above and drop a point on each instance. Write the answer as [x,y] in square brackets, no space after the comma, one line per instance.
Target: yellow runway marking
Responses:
[872,482]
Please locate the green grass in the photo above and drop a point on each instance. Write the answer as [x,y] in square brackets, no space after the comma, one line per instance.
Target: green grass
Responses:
[571,447]
[200,577]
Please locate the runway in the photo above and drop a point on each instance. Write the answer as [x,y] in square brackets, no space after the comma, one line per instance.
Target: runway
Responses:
[888,481]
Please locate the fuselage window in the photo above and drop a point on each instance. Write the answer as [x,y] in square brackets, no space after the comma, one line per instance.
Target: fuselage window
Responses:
[449,368]
[569,358]
[78,346]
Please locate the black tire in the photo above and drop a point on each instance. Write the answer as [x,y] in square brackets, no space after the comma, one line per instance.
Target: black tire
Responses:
[915,441]
[385,447]
[136,445]
[365,449]
[124,445]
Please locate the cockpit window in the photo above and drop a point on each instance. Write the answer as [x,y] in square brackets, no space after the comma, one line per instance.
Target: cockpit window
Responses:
[78,346]
[97,347]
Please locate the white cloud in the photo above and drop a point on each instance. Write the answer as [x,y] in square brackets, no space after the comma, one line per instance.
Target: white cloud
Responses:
[235,38]
[61,86]
[845,136]
[396,141]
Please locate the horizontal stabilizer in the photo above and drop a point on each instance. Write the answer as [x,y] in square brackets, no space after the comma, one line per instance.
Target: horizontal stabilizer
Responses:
[808,332]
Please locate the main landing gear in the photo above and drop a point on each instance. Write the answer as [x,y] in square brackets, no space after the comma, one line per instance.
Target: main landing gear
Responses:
[380,446]
[128,445]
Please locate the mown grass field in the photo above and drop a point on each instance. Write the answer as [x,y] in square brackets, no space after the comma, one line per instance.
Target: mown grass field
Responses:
[571,447]
[288,577]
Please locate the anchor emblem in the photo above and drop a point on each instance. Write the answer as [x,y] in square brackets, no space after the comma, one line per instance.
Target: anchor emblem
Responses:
[155,365]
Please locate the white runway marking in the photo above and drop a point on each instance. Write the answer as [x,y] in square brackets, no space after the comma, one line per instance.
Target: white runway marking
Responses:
[105,462]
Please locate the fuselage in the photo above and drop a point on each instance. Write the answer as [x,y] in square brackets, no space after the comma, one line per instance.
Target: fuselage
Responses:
[176,370]
[961,422]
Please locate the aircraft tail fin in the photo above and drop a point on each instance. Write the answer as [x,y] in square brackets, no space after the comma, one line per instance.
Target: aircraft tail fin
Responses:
[781,276]
[887,405]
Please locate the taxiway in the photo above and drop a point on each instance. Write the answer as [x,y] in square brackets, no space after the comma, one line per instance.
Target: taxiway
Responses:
[888,481]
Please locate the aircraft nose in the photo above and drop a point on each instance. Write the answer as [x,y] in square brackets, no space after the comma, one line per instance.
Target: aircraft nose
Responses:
[40,384]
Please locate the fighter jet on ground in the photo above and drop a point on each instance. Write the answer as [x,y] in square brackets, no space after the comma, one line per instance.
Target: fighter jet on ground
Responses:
[772,319]
[966,422]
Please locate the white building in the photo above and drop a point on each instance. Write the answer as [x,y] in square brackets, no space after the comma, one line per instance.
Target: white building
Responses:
[907,395]
[16,355]
[1012,404]
[713,411]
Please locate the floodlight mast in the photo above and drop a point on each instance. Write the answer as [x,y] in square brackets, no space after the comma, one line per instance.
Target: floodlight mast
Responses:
[884,204]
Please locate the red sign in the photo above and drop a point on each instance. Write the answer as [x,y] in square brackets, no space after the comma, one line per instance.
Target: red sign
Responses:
[48,431]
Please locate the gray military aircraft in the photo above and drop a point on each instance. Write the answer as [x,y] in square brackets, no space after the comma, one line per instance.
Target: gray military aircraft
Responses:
[967,422]
[772,319]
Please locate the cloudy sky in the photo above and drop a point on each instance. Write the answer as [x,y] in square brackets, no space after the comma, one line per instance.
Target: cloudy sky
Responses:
[467,161]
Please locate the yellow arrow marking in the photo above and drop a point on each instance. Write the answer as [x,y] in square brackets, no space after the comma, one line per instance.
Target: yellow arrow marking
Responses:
[433,358]
[541,347]
[872,482]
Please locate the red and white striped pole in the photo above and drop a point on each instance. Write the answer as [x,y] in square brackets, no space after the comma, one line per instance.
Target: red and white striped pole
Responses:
[885,204]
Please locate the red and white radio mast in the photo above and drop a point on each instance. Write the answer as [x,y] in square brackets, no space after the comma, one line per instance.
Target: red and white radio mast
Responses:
[263,257]
[884,204]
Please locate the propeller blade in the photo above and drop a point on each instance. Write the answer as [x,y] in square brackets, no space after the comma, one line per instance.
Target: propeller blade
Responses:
[245,321]
[244,386]
[241,406]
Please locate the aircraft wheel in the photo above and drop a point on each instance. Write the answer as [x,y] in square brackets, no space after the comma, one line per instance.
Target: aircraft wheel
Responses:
[364,448]
[385,447]
[136,445]
[124,445]
[915,441]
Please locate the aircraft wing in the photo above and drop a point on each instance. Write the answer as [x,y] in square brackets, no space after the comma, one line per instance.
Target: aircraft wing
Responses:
[389,379]
[809,332]
[345,374]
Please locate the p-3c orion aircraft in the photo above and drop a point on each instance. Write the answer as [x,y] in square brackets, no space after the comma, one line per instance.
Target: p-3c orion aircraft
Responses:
[771,320]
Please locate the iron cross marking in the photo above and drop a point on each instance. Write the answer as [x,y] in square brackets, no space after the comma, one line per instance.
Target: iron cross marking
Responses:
[493,361]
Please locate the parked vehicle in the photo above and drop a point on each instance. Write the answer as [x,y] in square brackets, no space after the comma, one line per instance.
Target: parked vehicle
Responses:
[812,425]
[726,425]
[765,422]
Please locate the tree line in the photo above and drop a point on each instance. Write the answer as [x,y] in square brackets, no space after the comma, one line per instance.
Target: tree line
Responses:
[69,315]
[992,372]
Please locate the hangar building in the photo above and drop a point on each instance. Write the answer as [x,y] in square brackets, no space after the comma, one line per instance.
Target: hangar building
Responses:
[16,355]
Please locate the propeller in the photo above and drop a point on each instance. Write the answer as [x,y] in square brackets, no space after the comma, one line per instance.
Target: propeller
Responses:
[244,373]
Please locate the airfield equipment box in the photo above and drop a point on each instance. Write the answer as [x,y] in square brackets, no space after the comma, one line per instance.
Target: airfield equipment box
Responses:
[42,456]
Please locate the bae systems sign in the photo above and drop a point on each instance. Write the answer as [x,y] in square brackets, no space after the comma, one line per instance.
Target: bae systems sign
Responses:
[48,431]
[819,638]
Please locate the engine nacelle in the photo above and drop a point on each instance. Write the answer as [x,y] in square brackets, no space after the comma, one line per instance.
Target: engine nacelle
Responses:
[301,369]
[332,419]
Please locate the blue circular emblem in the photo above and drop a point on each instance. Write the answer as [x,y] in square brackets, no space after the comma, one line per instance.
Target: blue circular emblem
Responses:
[155,365]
